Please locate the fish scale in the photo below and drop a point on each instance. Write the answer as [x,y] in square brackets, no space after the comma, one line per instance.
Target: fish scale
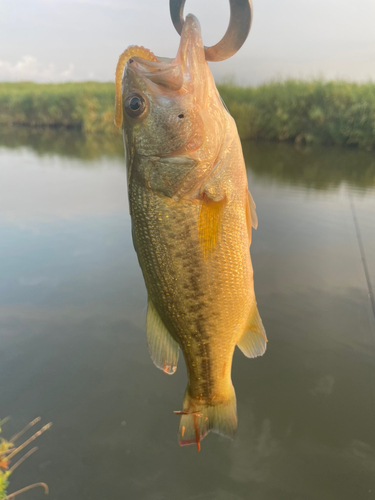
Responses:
[183,287]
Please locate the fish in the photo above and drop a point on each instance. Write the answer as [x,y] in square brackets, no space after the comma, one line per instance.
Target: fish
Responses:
[192,217]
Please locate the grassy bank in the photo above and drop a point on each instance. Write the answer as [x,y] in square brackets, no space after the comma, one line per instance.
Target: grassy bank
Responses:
[87,106]
[330,113]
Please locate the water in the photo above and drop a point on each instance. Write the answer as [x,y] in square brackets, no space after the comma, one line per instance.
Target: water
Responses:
[72,332]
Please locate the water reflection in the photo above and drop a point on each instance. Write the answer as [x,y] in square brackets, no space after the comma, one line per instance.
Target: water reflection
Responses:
[317,168]
[50,188]
[73,346]
[62,142]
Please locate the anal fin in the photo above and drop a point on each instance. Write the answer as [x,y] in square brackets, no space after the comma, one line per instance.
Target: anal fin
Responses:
[163,348]
[253,342]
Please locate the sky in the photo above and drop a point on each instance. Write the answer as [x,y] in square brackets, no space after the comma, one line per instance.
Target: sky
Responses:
[69,40]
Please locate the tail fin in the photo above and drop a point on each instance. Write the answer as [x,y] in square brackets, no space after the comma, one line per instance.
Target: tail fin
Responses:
[198,419]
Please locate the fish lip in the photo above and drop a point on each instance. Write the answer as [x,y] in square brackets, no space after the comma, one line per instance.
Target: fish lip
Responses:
[143,65]
[191,35]
[191,28]
[172,74]
[165,74]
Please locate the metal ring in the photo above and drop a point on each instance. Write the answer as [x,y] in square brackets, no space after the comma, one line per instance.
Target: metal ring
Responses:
[241,14]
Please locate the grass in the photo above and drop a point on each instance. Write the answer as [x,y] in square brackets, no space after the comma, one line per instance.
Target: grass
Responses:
[313,112]
[8,450]
[328,113]
[87,106]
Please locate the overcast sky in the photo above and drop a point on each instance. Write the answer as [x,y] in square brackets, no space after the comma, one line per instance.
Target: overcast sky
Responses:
[60,40]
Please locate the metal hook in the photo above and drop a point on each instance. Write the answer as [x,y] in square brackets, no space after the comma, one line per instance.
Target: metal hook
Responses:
[241,14]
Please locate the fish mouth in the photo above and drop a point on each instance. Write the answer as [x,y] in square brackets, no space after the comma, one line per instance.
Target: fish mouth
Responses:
[166,75]
[191,47]
[192,60]
[183,70]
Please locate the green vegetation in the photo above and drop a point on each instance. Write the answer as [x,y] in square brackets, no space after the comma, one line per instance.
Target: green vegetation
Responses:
[5,446]
[329,113]
[316,112]
[87,106]
[8,450]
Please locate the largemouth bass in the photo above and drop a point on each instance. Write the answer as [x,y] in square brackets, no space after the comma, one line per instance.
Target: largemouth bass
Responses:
[191,216]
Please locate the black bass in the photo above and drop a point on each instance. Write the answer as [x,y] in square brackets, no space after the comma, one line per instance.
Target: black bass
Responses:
[192,216]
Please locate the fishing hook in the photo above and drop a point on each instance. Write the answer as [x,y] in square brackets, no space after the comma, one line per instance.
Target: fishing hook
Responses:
[241,14]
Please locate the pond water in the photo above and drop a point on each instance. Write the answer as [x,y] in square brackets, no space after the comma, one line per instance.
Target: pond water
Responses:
[72,331]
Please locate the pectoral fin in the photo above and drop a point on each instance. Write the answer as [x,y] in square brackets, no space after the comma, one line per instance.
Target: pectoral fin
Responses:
[210,224]
[253,342]
[163,348]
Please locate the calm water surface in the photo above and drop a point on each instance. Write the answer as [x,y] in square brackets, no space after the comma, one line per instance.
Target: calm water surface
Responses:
[73,345]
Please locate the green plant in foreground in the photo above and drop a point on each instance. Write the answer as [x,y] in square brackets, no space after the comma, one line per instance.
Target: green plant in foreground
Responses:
[8,450]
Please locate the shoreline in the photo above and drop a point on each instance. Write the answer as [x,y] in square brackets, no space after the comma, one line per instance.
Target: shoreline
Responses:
[304,112]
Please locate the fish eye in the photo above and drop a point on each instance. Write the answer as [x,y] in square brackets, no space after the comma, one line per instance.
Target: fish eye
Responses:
[134,105]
